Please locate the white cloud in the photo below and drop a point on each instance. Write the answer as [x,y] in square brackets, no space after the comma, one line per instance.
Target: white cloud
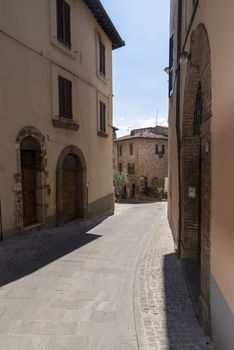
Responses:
[148,122]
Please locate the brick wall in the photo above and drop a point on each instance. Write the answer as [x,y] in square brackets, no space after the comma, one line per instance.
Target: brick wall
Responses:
[196,165]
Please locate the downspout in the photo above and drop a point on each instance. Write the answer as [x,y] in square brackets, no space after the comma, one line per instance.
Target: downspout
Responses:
[178,133]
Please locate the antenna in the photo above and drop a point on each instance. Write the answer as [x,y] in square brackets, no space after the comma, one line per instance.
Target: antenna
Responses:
[156,121]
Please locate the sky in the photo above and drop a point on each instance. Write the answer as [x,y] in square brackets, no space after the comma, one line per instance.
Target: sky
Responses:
[140,84]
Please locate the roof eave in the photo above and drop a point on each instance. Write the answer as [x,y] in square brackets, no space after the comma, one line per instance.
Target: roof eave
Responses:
[105,22]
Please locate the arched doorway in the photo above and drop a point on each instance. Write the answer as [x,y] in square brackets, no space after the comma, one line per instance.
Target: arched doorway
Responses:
[30,180]
[71,185]
[30,155]
[196,164]
[72,188]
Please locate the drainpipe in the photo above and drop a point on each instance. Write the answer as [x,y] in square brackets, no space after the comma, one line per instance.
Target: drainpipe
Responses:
[1,232]
[178,133]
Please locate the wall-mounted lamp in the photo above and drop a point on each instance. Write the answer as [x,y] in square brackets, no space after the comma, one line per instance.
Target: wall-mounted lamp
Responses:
[185,57]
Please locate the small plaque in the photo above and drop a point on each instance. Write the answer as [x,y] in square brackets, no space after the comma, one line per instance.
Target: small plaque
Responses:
[192,192]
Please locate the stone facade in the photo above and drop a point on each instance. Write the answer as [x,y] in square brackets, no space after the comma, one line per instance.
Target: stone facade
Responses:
[141,151]
[53,84]
[197,114]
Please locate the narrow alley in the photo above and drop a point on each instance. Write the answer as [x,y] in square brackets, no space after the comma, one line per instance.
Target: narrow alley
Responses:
[104,284]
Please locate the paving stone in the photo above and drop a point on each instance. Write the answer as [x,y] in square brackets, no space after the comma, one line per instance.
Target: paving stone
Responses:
[105,284]
[165,311]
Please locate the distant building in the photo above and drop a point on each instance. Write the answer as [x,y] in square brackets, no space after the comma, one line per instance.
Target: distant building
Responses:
[55,112]
[143,155]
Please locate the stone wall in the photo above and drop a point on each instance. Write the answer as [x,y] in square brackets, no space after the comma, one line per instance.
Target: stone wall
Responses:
[148,164]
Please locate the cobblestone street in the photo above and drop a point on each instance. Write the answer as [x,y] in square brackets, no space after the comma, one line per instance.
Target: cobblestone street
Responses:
[108,284]
[165,315]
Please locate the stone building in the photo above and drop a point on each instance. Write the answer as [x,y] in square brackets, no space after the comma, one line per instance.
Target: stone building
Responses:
[201,163]
[55,112]
[143,155]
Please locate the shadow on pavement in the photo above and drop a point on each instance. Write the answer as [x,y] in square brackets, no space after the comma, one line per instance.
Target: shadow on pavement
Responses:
[183,328]
[23,255]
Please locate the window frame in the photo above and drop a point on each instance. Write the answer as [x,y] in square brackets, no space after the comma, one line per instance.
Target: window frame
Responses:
[63,21]
[171,65]
[120,150]
[102,58]
[157,151]
[102,117]
[131,165]
[65,97]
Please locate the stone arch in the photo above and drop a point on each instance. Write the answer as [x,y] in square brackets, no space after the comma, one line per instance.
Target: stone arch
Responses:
[30,137]
[71,150]
[196,163]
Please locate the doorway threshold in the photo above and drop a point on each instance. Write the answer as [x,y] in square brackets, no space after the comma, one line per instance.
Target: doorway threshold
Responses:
[37,226]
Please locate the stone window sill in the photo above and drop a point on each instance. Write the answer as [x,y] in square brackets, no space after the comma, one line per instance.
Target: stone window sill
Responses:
[68,51]
[102,77]
[102,134]
[65,123]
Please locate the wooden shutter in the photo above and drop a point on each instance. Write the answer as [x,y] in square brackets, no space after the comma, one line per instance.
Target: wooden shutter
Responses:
[68,99]
[65,97]
[60,19]
[67,24]
[64,23]
[102,54]
[61,96]
[156,149]
[171,52]
[102,116]
[104,59]
[163,149]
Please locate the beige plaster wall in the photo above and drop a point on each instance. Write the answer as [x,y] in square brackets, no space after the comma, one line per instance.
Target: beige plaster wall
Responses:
[29,63]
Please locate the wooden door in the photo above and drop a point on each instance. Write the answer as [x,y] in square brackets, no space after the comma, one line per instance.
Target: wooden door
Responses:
[70,195]
[29,194]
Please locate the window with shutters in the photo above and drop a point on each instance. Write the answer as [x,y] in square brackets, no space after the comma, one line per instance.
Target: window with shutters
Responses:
[65,97]
[120,150]
[131,149]
[64,23]
[131,168]
[160,150]
[102,117]
[120,167]
[171,62]
[102,59]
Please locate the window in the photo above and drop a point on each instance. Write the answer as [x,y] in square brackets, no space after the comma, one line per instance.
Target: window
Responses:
[131,168]
[171,73]
[131,149]
[102,58]
[102,117]
[65,97]
[120,167]
[160,150]
[120,150]
[64,23]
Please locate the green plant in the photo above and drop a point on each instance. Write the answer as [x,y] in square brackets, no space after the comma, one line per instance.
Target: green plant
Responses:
[156,191]
[120,179]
